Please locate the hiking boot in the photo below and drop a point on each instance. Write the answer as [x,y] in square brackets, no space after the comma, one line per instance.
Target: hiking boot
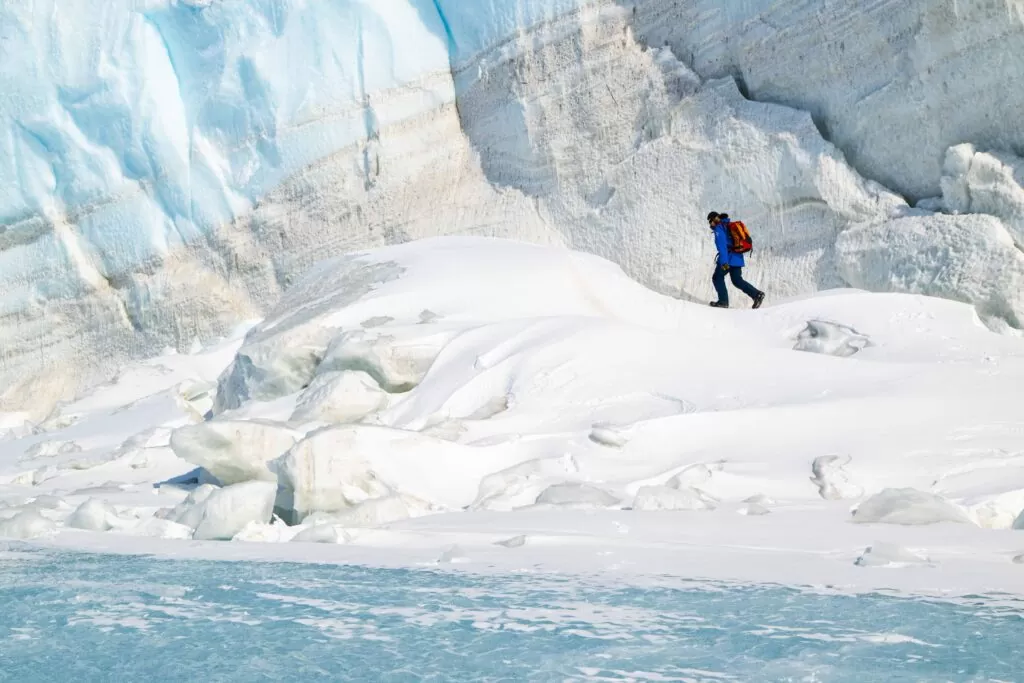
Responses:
[758,300]
[718,304]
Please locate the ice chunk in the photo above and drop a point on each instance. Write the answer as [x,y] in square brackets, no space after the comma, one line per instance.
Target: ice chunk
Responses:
[985,182]
[335,468]
[189,511]
[340,398]
[969,258]
[52,448]
[452,554]
[576,495]
[234,451]
[198,394]
[908,506]
[831,478]
[694,476]
[514,542]
[93,515]
[610,435]
[228,510]
[1018,523]
[321,533]
[669,498]
[831,339]
[50,507]
[889,555]
[396,360]
[27,524]
[326,472]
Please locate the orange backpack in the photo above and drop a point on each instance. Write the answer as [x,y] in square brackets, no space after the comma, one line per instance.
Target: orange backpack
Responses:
[739,238]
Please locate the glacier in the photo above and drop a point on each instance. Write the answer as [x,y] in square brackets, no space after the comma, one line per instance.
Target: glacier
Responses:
[168,168]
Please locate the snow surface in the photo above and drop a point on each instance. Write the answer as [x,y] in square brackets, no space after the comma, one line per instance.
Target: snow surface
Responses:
[568,419]
[169,167]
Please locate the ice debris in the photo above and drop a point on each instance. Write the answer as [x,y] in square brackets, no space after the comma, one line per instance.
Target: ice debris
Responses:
[908,506]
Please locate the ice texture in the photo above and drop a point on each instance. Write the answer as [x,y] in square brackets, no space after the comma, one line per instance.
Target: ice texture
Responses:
[227,511]
[270,619]
[234,451]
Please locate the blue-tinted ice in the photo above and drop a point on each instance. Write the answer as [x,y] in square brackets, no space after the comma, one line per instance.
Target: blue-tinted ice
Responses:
[81,617]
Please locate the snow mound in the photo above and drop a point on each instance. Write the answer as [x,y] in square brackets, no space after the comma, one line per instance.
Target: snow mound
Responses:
[576,495]
[832,339]
[262,532]
[519,485]
[671,498]
[27,524]
[93,515]
[694,476]
[233,451]
[909,507]
[156,527]
[15,426]
[370,513]
[889,555]
[315,328]
[321,533]
[227,511]
[753,510]
[340,397]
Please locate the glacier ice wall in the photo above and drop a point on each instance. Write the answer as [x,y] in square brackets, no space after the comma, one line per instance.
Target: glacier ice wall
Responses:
[894,83]
[168,166]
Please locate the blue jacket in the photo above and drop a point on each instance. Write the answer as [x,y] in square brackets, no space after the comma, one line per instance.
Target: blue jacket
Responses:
[724,256]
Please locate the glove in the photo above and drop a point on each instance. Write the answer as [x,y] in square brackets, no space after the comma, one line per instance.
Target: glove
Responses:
[725,267]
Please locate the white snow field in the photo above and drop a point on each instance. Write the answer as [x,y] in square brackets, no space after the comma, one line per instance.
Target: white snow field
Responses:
[497,405]
[169,167]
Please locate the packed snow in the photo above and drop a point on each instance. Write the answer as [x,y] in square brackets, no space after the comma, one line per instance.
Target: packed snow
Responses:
[169,168]
[501,405]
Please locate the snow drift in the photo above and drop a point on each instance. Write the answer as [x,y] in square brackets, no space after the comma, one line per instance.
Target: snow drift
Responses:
[554,414]
[168,168]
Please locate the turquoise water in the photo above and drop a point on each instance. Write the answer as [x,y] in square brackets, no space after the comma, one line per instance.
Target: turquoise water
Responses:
[83,617]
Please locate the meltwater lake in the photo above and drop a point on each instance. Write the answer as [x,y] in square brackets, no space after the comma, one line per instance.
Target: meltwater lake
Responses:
[86,617]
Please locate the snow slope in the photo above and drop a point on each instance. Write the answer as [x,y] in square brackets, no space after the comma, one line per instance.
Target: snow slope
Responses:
[533,408]
[168,167]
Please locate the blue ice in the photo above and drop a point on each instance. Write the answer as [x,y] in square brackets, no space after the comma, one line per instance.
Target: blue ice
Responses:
[87,617]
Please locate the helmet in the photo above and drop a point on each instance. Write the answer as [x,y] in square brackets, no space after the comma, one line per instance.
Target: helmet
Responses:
[712,216]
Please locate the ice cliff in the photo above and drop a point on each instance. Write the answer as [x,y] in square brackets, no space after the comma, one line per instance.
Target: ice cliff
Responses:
[167,168]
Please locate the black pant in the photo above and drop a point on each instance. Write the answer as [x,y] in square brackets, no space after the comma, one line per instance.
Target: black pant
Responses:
[736,275]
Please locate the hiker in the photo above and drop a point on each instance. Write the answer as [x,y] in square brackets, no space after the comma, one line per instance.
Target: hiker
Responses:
[730,260]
